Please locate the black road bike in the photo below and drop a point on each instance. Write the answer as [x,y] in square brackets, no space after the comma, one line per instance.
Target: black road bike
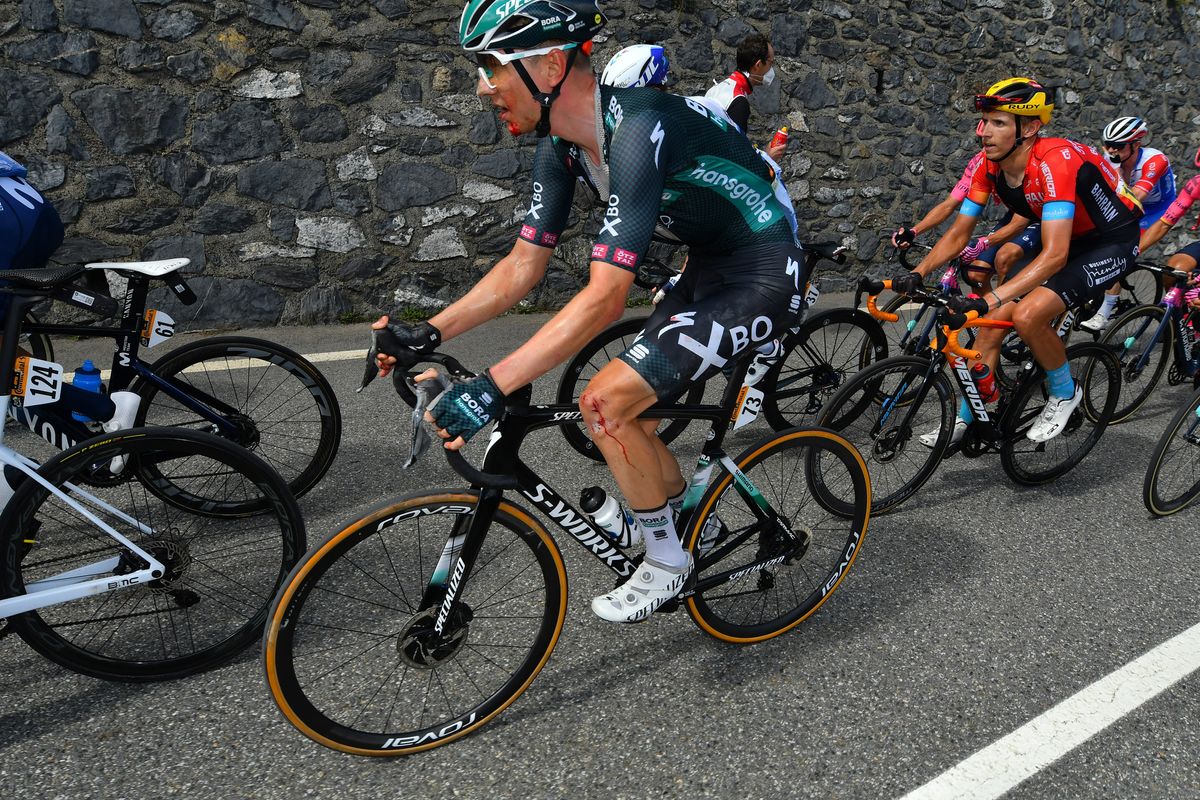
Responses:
[418,623]
[255,393]
[1172,479]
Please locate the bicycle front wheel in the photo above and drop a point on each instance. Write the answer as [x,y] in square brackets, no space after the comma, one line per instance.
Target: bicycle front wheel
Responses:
[1139,287]
[607,345]
[884,411]
[817,359]
[755,581]
[1093,367]
[1173,476]
[1142,353]
[282,407]
[221,573]
[352,651]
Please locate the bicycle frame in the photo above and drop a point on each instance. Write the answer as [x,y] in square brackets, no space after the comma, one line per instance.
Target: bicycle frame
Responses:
[128,367]
[1175,314]
[502,458]
[78,582]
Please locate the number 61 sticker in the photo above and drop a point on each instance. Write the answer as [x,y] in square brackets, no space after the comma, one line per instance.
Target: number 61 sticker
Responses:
[157,328]
[36,382]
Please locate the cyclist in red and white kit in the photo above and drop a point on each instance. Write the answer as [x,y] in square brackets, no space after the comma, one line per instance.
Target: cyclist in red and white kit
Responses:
[1089,235]
[1186,259]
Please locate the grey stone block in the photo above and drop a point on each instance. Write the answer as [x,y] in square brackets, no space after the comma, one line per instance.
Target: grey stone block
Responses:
[133,120]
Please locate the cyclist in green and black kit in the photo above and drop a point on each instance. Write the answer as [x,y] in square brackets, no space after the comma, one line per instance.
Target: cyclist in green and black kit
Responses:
[656,161]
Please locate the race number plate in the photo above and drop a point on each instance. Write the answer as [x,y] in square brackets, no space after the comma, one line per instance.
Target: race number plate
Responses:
[157,328]
[749,406]
[810,299]
[36,382]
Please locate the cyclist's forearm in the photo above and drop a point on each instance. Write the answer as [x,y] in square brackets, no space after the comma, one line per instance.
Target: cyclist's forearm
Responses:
[595,307]
[949,246]
[937,215]
[510,280]
[1152,235]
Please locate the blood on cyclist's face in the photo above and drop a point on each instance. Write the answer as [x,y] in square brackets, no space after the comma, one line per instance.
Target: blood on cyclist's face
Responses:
[503,87]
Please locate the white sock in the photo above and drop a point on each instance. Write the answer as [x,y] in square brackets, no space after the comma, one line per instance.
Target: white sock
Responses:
[676,502]
[658,532]
[1110,302]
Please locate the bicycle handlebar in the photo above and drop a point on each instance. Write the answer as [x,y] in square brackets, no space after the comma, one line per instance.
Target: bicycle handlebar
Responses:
[403,384]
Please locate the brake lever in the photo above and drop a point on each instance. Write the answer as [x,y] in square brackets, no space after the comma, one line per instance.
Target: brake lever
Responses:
[371,371]
[426,392]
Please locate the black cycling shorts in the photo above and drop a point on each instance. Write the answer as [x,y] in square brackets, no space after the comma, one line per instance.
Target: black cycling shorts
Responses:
[1087,274]
[721,308]
[1192,251]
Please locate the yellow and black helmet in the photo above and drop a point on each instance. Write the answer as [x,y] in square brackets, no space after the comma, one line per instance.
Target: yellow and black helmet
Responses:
[1024,97]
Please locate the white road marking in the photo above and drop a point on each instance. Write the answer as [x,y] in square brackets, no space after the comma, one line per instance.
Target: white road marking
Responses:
[246,363]
[1007,762]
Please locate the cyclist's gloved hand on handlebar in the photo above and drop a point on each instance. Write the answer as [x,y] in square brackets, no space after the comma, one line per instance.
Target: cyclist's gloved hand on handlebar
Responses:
[908,282]
[903,237]
[466,406]
[961,304]
[400,343]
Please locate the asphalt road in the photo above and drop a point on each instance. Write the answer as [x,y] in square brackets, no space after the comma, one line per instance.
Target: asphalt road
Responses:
[970,611]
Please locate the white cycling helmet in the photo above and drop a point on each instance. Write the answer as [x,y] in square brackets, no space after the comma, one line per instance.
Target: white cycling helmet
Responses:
[1123,130]
[636,65]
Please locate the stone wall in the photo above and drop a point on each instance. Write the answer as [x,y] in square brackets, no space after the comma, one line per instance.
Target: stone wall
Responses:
[318,159]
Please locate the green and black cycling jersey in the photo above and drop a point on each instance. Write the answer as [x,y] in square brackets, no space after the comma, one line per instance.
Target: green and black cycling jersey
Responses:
[671,164]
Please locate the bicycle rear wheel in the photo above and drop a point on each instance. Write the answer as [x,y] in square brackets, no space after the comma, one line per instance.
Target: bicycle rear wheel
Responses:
[1132,339]
[1095,368]
[1172,479]
[765,581]
[221,572]
[818,358]
[874,412]
[606,346]
[1139,287]
[352,656]
[282,407]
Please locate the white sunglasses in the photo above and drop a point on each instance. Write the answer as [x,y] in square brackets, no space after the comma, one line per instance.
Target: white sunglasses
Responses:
[494,58]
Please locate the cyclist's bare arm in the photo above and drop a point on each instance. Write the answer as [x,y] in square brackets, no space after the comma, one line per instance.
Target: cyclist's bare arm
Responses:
[1008,232]
[938,214]
[1056,243]
[598,304]
[1152,235]
[949,246]
[505,285]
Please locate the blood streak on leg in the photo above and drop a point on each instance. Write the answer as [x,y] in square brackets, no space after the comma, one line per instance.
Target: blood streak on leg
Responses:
[601,425]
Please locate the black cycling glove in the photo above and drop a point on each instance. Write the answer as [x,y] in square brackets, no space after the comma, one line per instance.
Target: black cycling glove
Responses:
[904,236]
[908,282]
[403,341]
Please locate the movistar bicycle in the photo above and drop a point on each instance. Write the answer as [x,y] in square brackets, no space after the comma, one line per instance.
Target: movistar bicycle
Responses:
[884,409]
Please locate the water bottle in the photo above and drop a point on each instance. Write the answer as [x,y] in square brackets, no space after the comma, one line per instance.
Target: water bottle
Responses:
[781,137]
[86,377]
[664,289]
[986,382]
[606,511]
[949,280]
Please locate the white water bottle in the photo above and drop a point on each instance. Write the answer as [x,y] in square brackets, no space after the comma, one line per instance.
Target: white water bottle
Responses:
[606,511]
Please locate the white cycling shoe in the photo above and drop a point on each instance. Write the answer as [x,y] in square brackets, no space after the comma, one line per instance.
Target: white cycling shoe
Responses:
[1054,416]
[637,598]
[1097,323]
[956,433]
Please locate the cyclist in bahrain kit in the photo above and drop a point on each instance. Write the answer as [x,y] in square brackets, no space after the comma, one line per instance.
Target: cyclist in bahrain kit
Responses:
[1089,235]
[1150,178]
[654,159]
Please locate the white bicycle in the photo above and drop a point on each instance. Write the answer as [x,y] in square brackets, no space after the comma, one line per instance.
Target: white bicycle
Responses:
[146,554]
